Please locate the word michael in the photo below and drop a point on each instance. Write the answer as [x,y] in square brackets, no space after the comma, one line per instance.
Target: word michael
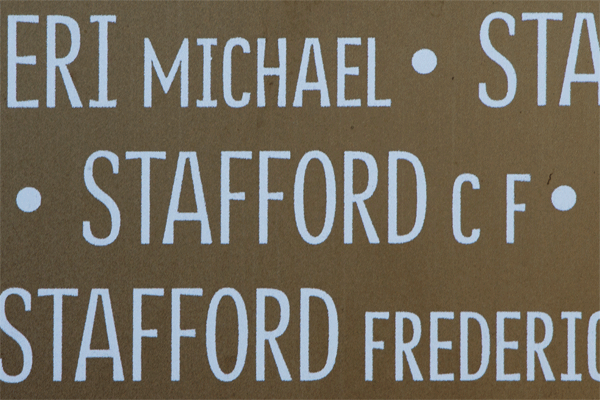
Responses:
[351,198]
[263,336]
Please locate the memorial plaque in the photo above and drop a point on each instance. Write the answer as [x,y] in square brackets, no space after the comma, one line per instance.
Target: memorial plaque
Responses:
[343,199]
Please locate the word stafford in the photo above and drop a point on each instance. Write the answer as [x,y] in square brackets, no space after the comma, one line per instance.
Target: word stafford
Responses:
[264,338]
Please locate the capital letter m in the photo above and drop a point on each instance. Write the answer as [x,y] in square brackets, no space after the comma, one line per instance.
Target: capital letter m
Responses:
[151,60]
